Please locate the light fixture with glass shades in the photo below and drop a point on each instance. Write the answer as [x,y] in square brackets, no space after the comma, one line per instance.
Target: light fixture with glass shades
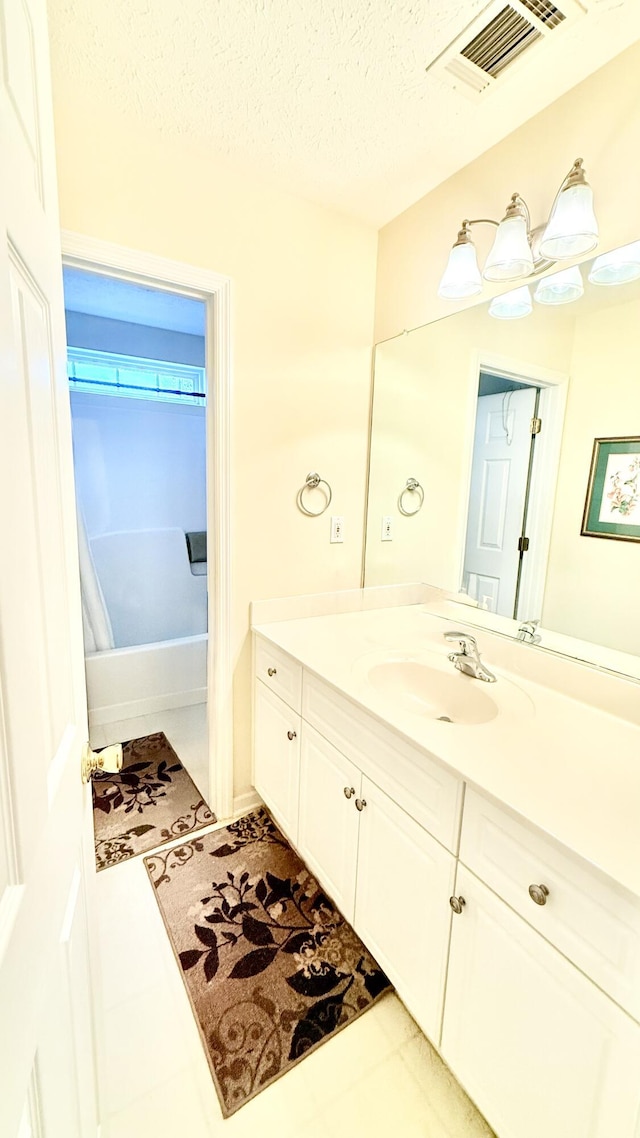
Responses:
[560,288]
[618,266]
[520,251]
[512,305]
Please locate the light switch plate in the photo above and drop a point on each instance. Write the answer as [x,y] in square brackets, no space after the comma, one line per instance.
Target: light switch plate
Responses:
[387,529]
[337,528]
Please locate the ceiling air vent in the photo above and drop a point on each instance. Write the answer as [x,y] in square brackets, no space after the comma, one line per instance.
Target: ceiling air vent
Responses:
[498,39]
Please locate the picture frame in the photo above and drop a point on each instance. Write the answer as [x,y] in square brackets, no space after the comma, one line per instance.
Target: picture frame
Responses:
[612,505]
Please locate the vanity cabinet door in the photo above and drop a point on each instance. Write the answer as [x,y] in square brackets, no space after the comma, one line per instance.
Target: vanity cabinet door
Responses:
[538,1047]
[405,879]
[329,817]
[277,758]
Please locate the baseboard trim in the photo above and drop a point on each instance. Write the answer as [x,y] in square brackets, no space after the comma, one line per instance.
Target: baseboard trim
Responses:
[100,716]
[243,803]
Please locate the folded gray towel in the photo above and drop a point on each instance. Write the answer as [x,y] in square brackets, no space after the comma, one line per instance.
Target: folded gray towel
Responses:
[197,546]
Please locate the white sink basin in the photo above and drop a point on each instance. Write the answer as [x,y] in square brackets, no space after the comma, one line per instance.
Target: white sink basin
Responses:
[428,685]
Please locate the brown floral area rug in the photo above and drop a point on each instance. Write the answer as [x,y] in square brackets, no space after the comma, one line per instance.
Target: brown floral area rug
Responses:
[150,801]
[271,968]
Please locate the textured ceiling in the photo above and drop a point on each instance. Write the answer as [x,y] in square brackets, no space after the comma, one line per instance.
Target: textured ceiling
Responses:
[328,98]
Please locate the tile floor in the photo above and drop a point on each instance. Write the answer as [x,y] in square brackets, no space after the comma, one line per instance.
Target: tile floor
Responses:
[185,728]
[377,1077]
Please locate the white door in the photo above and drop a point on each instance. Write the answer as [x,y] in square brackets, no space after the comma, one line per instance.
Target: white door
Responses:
[329,818]
[47,1053]
[405,879]
[496,501]
[277,758]
[538,1047]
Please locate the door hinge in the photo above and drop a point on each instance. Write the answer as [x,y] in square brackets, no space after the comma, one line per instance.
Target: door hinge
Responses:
[523,544]
[536,426]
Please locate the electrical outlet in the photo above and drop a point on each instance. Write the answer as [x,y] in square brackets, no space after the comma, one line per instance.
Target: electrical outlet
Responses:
[387,529]
[337,528]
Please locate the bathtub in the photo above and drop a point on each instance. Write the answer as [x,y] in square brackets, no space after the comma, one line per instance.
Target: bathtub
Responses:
[126,682]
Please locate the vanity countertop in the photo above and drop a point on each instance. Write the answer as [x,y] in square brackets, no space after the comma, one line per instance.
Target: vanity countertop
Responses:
[568,767]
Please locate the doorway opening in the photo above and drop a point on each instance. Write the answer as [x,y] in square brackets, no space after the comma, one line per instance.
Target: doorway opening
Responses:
[516,442]
[138,393]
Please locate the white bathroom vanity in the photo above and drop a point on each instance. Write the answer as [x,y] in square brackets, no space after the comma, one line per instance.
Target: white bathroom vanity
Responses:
[482,838]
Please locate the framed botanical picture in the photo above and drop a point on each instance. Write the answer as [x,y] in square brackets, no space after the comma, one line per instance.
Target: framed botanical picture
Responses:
[612,508]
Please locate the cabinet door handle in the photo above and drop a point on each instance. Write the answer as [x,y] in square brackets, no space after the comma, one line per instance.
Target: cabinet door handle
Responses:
[361,803]
[291,735]
[457,904]
[349,791]
[539,894]
[271,671]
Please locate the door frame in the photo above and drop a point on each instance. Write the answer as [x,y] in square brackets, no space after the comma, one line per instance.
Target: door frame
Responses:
[553,402]
[79,251]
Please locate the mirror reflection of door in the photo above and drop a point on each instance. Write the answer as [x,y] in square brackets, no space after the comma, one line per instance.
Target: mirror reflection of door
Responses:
[502,465]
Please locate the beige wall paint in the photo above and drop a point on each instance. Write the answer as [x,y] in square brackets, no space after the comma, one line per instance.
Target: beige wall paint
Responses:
[303,295]
[598,120]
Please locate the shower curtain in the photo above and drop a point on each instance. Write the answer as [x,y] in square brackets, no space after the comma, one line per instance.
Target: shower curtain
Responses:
[98,635]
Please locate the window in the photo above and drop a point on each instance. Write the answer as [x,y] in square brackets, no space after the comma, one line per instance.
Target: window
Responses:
[104,373]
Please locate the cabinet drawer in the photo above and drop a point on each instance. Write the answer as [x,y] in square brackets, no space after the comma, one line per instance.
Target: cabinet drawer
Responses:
[279,672]
[426,790]
[594,922]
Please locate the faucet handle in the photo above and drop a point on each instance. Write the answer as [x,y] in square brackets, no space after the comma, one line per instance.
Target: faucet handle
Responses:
[465,640]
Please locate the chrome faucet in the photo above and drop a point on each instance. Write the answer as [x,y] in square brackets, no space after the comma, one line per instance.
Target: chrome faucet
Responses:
[527,632]
[468,660]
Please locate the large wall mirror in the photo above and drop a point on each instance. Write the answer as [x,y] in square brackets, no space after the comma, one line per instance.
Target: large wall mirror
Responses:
[505,460]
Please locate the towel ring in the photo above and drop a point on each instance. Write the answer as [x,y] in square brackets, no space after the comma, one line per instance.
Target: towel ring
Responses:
[312,482]
[412,487]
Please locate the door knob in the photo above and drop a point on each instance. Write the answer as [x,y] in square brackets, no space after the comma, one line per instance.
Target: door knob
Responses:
[457,904]
[108,760]
[349,791]
[539,894]
[361,803]
[291,735]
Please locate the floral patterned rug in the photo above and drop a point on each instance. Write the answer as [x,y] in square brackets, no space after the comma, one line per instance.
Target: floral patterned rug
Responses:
[271,968]
[151,801]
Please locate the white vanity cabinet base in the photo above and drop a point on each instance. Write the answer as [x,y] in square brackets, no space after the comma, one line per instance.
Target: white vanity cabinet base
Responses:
[593,921]
[405,879]
[328,819]
[425,788]
[276,771]
[540,1049]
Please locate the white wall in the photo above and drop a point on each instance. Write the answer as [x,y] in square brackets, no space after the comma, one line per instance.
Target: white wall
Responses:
[303,295]
[139,464]
[140,482]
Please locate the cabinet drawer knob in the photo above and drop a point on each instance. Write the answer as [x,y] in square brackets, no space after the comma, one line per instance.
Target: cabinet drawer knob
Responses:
[291,735]
[539,894]
[361,803]
[349,791]
[457,904]
[271,671]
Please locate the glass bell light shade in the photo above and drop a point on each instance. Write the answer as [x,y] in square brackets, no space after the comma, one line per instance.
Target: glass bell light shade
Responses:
[560,288]
[462,276]
[512,305]
[618,266]
[572,228]
[510,255]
